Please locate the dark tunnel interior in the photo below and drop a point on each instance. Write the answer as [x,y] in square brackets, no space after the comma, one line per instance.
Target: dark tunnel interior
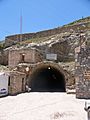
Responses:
[47,79]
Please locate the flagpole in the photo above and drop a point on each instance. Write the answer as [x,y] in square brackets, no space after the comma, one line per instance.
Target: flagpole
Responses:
[21,27]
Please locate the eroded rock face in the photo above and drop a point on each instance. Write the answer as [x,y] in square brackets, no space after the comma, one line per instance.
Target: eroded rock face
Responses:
[63,45]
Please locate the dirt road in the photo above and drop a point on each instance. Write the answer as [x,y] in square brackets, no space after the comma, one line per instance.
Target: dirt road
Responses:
[42,106]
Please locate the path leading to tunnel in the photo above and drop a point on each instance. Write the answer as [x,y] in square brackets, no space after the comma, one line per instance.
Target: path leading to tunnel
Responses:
[42,106]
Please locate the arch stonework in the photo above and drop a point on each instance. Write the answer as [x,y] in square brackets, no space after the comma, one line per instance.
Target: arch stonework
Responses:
[47,64]
[35,69]
[48,77]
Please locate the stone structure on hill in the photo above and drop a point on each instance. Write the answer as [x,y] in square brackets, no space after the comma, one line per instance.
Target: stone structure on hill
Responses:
[31,63]
[41,68]
[38,66]
[30,67]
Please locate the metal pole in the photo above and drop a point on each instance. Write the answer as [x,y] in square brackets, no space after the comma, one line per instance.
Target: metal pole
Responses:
[87,109]
[21,28]
[88,113]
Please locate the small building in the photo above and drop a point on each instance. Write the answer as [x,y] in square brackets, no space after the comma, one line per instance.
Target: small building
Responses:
[16,82]
[23,55]
[3,84]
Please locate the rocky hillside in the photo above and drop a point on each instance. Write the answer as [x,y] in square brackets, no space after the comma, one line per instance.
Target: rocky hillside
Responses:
[77,27]
[61,41]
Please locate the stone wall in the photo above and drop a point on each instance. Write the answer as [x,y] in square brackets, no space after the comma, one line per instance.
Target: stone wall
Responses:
[25,55]
[82,58]
[17,83]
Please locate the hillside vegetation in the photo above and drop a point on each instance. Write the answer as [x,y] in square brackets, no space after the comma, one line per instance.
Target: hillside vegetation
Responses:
[78,26]
[83,20]
[81,26]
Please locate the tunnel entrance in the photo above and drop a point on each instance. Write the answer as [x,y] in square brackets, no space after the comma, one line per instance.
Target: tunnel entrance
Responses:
[47,79]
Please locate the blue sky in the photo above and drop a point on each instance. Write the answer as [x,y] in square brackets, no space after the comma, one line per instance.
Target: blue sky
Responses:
[38,15]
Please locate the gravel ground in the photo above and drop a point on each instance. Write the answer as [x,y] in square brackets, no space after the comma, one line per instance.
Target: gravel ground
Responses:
[42,106]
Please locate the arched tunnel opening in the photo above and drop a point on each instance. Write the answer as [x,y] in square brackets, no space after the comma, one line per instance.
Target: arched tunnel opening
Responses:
[47,79]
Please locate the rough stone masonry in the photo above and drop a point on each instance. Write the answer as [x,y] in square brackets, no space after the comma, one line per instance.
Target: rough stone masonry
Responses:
[82,59]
